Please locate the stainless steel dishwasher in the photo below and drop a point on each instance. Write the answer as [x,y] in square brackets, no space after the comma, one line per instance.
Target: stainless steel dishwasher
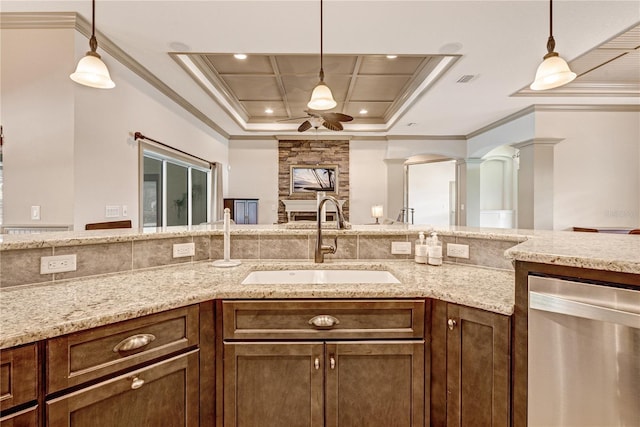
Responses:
[584,354]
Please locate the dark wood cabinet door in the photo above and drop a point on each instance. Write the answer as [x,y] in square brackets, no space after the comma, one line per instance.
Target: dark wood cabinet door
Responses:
[26,418]
[162,394]
[375,384]
[273,384]
[478,367]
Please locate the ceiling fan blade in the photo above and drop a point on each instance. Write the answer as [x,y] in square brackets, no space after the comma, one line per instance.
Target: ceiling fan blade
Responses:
[292,118]
[337,117]
[304,126]
[332,125]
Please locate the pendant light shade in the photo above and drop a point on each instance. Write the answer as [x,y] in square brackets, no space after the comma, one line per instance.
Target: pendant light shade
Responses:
[91,71]
[554,71]
[321,97]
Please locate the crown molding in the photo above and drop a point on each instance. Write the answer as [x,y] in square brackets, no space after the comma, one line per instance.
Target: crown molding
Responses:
[601,108]
[585,89]
[49,20]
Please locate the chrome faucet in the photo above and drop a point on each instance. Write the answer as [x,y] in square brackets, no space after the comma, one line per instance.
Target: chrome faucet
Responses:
[327,249]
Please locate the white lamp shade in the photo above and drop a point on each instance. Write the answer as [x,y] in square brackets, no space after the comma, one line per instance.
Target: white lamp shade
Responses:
[376,211]
[92,72]
[553,72]
[321,98]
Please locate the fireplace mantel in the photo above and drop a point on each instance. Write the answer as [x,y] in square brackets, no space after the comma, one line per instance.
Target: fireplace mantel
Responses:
[309,205]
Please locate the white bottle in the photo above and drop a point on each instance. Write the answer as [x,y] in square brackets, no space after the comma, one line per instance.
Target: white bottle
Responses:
[434,250]
[421,250]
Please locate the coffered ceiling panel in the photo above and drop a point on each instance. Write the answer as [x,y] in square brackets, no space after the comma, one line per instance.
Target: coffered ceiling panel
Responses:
[263,88]
[378,88]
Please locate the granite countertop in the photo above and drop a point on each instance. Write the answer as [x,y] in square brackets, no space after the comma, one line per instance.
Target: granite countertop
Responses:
[35,312]
[598,251]
[83,237]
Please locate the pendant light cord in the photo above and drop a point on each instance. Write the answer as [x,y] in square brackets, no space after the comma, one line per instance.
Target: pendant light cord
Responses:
[551,43]
[550,18]
[93,42]
[321,50]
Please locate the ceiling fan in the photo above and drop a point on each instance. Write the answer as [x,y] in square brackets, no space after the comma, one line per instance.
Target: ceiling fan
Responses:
[315,119]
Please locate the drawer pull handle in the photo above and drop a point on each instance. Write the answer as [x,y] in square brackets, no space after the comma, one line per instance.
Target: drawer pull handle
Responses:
[136,383]
[452,324]
[332,362]
[316,363]
[324,321]
[134,342]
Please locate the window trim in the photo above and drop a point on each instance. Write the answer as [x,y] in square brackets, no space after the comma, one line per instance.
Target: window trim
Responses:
[165,154]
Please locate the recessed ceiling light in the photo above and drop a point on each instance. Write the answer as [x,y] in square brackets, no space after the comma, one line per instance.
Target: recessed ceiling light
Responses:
[392,56]
[364,111]
[240,56]
[268,111]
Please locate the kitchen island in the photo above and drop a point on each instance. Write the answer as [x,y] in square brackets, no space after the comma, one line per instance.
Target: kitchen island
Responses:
[463,317]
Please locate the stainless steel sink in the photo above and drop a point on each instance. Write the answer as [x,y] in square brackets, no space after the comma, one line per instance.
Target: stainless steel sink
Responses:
[318,276]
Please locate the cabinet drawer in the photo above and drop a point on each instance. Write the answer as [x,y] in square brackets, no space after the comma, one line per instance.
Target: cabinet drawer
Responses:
[161,394]
[18,376]
[25,418]
[88,355]
[335,319]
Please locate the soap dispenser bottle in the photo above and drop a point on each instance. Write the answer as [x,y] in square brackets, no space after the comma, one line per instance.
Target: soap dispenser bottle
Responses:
[421,249]
[434,250]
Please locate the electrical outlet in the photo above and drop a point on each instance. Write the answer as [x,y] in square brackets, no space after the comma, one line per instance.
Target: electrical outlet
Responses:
[455,250]
[184,249]
[401,248]
[57,264]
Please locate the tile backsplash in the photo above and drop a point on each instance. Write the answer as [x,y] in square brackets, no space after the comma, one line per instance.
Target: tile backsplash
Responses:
[22,266]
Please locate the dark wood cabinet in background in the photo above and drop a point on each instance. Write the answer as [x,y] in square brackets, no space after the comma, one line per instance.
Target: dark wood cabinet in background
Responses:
[470,359]
[243,211]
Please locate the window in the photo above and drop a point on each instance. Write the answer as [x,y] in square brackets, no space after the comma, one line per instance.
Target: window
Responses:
[176,188]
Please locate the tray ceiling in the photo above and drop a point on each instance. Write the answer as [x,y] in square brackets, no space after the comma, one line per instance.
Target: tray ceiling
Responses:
[283,83]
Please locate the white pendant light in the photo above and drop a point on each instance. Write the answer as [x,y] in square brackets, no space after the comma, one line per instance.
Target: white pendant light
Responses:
[91,71]
[554,71]
[321,97]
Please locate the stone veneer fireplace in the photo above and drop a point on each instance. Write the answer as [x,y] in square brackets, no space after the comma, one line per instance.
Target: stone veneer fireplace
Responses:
[312,153]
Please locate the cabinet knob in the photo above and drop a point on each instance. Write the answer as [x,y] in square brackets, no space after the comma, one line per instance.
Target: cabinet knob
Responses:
[316,363]
[134,342]
[136,383]
[324,321]
[452,324]
[332,362]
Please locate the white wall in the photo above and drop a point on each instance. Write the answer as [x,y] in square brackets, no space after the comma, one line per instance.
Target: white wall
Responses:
[254,174]
[77,141]
[429,191]
[368,181]
[596,167]
[37,114]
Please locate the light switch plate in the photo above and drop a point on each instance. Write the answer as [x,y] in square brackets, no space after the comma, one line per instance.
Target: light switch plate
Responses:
[401,248]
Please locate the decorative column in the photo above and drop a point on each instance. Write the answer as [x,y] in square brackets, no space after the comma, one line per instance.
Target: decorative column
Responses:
[468,192]
[535,183]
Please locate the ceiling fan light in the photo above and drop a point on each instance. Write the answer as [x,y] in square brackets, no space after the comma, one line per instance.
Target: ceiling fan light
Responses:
[91,71]
[552,72]
[321,98]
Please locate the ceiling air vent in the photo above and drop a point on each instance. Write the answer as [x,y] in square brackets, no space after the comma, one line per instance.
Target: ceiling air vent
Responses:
[465,78]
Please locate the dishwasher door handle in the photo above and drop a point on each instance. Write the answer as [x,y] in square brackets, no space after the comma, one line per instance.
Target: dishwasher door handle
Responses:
[555,304]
